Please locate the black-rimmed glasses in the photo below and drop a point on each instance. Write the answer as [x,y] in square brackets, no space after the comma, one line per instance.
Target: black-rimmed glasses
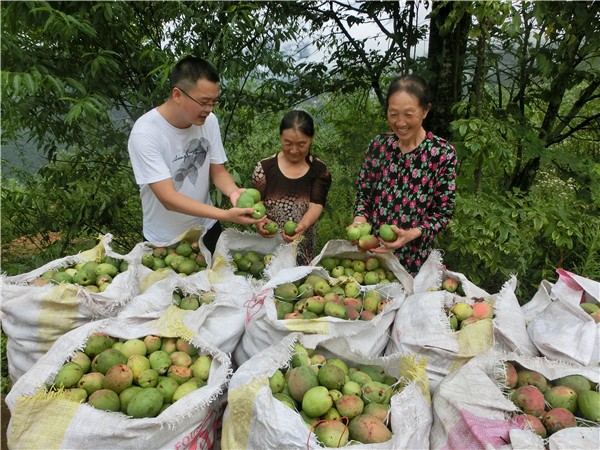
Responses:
[205,106]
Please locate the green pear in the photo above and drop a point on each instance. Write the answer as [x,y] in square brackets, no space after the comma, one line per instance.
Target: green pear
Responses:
[255,193]
[106,269]
[387,234]
[259,210]
[353,233]
[271,227]
[184,248]
[245,200]
[289,227]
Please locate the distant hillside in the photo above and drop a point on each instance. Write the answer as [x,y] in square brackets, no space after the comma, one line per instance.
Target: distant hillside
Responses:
[23,157]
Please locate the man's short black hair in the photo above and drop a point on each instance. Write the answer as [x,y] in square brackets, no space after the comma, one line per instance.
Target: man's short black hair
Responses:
[191,69]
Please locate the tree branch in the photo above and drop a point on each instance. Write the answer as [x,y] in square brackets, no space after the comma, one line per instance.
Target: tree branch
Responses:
[586,96]
[572,130]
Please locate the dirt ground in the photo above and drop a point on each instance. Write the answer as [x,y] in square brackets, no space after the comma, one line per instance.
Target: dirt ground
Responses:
[5,419]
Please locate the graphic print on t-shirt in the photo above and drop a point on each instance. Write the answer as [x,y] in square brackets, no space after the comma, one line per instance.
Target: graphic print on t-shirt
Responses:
[193,157]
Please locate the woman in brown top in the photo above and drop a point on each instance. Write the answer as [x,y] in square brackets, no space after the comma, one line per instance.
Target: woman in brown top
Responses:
[294,184]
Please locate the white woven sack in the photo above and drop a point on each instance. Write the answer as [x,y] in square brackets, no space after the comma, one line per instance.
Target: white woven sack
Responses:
[254,419]
[233,240]
[263,328]
[220,322]
[471,408]
[150,304]
[342,248]
[575,288]
[34,317]
[539,302]
[433,272]
[38,421]
[422,327]
[510,328]
[555,311]
[564,331]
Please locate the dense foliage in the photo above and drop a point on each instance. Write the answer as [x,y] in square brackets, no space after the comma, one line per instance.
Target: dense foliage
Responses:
[523,113]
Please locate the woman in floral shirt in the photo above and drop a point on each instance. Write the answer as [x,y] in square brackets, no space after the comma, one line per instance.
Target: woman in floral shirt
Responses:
[407,179]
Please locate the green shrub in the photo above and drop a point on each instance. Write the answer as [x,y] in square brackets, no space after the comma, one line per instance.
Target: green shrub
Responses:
[491,238]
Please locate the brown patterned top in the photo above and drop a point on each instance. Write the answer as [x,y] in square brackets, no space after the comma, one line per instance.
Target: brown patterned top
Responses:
[288,199]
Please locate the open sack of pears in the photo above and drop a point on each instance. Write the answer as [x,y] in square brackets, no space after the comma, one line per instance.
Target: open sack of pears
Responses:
[449,328]
[115,386]
[499,399]
[186,255]
[247,254]
[40,306]
[341,259]
[211,311]
[293,396]
[339,314]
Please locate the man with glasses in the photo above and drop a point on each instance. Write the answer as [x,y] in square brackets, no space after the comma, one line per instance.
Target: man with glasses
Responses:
[176,152]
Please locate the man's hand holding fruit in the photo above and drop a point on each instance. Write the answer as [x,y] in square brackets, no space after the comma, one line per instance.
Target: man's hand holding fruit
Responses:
[249,200]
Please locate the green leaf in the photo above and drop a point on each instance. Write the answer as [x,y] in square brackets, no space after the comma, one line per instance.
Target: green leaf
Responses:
[56,84]
[74,113]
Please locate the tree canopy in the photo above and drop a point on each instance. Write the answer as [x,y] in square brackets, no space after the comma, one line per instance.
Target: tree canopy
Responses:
[516,90]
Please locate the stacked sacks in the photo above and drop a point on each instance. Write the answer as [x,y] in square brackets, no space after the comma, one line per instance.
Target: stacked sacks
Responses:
[43,417]
[427,322]
[334,329]
[217,315]
[35,315]
[303,408]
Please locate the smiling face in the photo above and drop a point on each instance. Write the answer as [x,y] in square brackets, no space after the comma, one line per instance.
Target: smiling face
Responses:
[295,145]
[198,102]
[405,115]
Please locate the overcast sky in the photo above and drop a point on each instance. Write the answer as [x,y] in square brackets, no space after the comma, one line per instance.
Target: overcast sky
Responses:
[374,38]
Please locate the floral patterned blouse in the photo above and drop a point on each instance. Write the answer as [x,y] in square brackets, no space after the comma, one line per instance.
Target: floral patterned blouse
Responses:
[414,190]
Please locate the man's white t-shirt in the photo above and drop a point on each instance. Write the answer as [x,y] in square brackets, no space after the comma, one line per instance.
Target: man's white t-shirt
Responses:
[158,151]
